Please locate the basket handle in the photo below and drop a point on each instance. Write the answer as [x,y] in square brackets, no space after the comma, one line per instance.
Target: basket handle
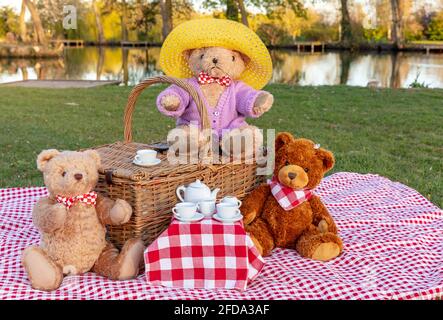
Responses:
[130,105]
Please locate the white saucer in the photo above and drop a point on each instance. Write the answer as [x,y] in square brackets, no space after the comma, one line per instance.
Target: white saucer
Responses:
[197,217]
[147,164]
[233,219]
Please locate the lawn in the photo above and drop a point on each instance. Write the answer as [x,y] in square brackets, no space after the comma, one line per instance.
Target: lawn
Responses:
[394,133]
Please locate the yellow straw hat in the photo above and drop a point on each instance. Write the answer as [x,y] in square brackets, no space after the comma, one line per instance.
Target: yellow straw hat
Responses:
[229,34]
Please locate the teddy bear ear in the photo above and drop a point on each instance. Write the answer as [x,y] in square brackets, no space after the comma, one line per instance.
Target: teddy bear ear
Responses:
[44,157]
[244,57]
[282,139]
[187,54]
[94,155]
[327,157]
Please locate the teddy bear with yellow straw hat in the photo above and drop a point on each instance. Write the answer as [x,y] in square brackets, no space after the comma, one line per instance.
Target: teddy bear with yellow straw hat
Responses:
[227,64]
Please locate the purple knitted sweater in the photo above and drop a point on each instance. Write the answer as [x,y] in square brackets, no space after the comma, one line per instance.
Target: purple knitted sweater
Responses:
[234,105]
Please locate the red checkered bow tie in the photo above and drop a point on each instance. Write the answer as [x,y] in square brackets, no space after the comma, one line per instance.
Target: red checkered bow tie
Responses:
[204,78]
[89,198]
[288,198]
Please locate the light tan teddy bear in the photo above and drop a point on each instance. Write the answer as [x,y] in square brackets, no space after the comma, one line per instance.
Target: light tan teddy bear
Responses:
[72,223]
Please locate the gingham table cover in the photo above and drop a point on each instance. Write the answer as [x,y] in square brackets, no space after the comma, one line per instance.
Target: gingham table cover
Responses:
[393,249]
[205,254]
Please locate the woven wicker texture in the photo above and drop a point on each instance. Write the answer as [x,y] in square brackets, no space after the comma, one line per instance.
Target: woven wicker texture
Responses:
[216,33]
[151,190]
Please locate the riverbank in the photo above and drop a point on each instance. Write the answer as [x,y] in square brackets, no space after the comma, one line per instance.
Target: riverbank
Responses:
[30,51]
[394,133]
[300,46]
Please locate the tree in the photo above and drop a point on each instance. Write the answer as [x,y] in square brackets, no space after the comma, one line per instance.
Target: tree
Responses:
[166,13]
[275,8]
[124,19]
[145,17]
[232,10]
[123,8]
[8,22]
[271,34]
[346,36]
[38,28]
[98,23]
[435,29]
[243,12]
[22,23]
[397,30]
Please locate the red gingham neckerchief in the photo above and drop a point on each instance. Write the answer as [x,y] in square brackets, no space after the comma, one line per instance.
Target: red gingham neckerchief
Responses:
[204,78]
[89,198]
[287,197]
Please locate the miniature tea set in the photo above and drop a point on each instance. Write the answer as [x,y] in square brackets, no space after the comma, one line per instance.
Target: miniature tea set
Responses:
[146,158]
[199,202]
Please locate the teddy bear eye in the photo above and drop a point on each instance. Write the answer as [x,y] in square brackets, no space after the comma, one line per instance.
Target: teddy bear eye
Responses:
[287,163]
[306,170]
[63,173]
[233,58]
[201,56]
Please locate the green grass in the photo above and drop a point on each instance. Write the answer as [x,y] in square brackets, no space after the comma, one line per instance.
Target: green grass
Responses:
[394,133]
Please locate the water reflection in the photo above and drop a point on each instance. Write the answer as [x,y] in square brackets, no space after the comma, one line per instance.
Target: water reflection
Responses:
[131,65]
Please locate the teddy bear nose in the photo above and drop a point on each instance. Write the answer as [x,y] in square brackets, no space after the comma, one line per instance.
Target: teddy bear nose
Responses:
[215,60]
[292,175]
[78,176]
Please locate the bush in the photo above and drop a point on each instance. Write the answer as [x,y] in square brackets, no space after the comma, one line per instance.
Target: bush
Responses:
[8,21]
[435,29]
[271,34]
[376,34]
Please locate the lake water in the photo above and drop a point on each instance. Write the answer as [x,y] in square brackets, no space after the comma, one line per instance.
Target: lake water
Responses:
[329,68]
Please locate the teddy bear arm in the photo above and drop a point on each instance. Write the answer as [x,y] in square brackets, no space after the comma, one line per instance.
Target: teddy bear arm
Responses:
[173,101]
[263,103]
[320,214]
[252,205]
[103,208]
[251,102]
[48,215]
[112,212]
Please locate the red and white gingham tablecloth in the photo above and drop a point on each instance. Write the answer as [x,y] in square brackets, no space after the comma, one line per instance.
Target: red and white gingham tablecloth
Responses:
[393,249]
[205,254]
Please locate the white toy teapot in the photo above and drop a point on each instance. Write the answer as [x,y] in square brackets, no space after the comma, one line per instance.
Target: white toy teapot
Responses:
[196,191]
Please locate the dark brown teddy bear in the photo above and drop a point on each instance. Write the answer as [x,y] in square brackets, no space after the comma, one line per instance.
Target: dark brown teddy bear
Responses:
[306,227]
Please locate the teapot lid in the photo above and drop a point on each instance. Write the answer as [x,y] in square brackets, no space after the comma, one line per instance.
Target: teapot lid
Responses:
[197,184]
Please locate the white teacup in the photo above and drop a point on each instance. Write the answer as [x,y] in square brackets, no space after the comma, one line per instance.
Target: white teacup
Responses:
[206,207]
[185,210]
[227,210]
[146,156]
[232,200]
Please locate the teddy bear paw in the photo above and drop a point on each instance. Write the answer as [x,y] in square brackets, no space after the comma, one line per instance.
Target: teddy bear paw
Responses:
[326,251]
[263,103]
[58,214]
[42,272]
[121,212]
[257,244]
[248,217]
[170,102]
[131,257]
[323,226]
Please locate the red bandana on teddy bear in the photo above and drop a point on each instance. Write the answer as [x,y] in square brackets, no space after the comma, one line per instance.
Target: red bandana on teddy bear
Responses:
[89,198]
[287,197]
[204,78]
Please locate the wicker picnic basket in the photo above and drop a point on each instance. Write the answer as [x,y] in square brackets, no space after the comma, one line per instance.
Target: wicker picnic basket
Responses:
[151,191]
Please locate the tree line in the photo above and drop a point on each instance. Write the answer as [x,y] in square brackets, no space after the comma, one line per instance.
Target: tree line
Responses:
[278,22]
